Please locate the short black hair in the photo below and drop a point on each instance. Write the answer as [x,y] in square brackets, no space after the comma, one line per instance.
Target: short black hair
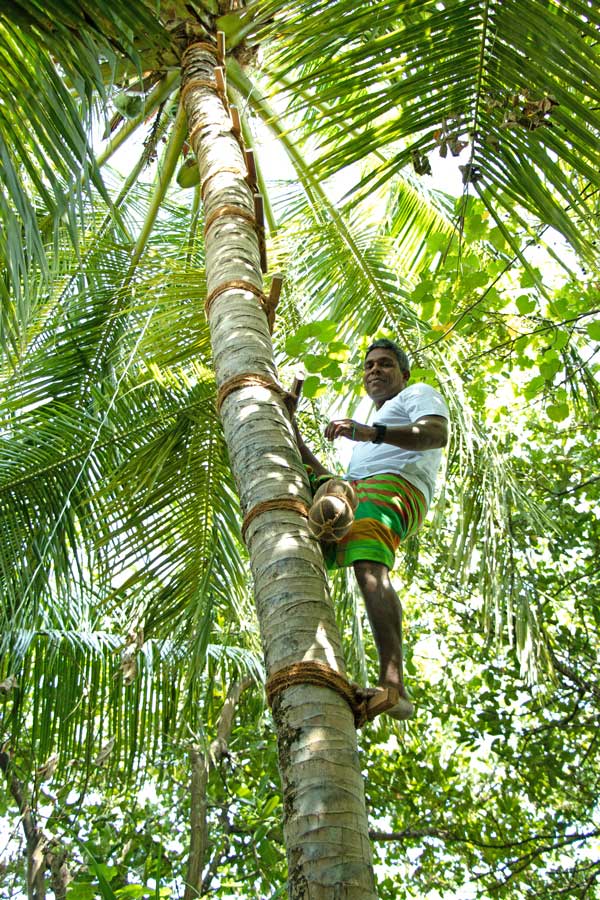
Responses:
[386,344]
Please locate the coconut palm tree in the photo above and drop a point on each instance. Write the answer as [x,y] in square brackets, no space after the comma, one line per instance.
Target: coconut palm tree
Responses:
[368,82]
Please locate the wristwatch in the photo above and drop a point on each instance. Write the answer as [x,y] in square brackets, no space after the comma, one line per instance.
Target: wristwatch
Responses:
[380,433]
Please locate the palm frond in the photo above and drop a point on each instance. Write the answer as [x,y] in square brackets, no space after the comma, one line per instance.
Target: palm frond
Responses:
[54,63]
[99,700]
[518,81]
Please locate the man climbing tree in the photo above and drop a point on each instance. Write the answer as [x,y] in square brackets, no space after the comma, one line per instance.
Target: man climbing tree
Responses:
[393,469]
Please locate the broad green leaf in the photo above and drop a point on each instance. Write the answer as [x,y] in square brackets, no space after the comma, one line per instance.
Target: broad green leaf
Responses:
[423,290]
[498,239]
[530,278]
[271,805]
[558,412]
[474,280]
[560,307]
[312,386]
[82,890]
[475,227]
[316,363]
[332,370]
[593,329]
[549,368]
[534,386]
[526,304]
[561,339]
[132,891]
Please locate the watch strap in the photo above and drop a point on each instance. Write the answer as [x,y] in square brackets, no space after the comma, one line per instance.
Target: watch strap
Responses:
[380,433]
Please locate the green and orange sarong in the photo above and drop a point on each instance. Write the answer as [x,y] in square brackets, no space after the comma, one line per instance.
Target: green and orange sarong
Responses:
[390,509]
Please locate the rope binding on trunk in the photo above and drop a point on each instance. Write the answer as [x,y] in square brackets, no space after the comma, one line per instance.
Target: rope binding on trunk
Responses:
[320,675]
[294,504]
[249,380]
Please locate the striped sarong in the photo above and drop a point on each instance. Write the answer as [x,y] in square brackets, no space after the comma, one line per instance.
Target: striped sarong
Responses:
[389,510]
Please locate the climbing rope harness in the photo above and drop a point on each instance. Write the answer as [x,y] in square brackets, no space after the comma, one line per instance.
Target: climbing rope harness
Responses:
[319,674]
[294,504]
[234,285]
[248,380]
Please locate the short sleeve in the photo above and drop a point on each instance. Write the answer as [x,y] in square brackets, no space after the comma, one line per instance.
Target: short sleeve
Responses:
[423,400]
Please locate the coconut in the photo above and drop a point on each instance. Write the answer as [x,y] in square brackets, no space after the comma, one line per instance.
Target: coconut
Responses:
[332,512]
[337,487]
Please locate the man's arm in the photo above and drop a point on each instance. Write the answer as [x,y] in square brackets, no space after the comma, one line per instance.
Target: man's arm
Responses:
[306,454]
[426,433]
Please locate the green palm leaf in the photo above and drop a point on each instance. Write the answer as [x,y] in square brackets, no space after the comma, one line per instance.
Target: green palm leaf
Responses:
[405,78]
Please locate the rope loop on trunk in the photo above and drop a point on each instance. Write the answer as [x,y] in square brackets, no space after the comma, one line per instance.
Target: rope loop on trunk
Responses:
[199,45]
[196,82]
[228,210]
[249,380]
[234,285]
[292,503]
[321,675]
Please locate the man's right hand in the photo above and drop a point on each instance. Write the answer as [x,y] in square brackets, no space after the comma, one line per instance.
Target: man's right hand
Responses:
[348,428]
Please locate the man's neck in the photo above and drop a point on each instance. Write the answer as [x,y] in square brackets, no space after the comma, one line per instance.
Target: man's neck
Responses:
[379,403]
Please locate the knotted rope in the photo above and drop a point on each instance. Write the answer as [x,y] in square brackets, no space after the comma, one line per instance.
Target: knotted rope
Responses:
[235,284]
[321,675]
[228,210]
[199,45]
[292,503]
[197,82]
[242,381]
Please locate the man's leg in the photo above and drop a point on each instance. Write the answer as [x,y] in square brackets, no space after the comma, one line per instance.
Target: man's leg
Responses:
[385,615]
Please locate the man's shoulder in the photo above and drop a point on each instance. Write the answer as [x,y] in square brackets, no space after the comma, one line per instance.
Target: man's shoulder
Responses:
[418,389]
[421,387]
[420,395]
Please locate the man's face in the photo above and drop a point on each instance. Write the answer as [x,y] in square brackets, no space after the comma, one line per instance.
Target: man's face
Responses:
[383,378]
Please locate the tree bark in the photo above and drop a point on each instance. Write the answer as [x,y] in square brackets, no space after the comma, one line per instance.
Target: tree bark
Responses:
[202,763]
[325,821]
[42,853]
[198,837]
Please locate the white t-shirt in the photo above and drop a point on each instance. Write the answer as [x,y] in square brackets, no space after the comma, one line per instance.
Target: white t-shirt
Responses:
[417,466]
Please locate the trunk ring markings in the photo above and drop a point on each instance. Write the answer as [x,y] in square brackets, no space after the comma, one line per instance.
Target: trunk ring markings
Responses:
[197,82]
[200,45]
[219,171]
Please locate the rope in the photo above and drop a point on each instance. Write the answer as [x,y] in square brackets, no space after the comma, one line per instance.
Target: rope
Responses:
[196,82]
[199,45]
[192,135]
[228,210]
[241,381]
[292,503]
[321,675]
[236,284]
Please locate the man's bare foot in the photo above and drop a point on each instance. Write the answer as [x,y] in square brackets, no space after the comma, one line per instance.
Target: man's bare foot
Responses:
[389,700]
[402,710]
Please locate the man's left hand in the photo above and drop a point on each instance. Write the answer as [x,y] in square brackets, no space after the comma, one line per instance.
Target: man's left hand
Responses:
[348,428]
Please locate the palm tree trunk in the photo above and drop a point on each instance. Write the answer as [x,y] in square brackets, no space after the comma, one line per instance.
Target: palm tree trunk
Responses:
[325,821]
[34,837]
